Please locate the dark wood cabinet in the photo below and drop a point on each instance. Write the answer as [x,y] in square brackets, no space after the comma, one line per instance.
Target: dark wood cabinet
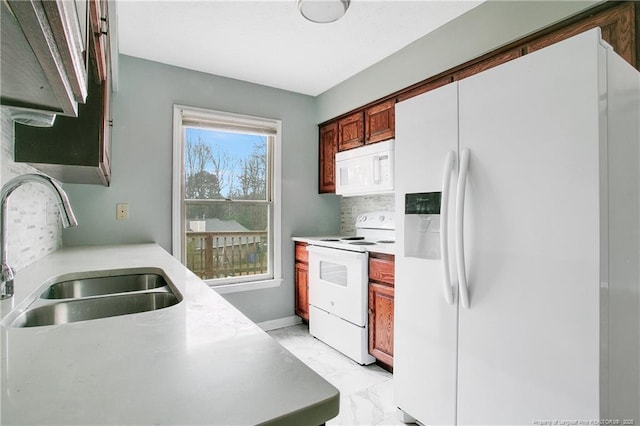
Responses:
[302,281]
[380,122]
[99,37]
[78,150]
[617,27]
[381,308]
[328,148]
[351,131]
[488,63]
[74,150]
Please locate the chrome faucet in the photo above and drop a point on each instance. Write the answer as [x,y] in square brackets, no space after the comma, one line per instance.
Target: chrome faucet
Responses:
[68,220]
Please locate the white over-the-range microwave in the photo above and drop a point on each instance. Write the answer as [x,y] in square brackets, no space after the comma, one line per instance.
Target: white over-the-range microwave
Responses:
[365,170]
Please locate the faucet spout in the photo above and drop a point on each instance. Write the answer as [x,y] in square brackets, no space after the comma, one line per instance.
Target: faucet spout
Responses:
[66,213]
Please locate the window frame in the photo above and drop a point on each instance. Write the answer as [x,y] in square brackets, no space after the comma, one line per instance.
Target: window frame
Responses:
[178,222]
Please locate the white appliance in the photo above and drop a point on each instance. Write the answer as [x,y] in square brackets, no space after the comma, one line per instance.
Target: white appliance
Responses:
[516,296]
[338,284]
[365,170]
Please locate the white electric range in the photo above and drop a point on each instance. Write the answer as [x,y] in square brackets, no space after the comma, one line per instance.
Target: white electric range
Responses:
[338,283]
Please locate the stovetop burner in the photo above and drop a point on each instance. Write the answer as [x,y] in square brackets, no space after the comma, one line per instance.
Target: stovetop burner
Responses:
[362,243]
[329,239]
[386,241]
[352,238]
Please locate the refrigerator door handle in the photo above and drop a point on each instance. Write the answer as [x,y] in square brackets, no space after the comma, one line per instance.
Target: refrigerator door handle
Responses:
[460,197]
[444,226]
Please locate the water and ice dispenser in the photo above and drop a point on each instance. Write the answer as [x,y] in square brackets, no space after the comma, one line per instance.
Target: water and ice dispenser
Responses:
[422,225]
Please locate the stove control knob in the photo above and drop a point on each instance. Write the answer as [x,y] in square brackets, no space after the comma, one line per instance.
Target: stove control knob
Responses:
[381,218]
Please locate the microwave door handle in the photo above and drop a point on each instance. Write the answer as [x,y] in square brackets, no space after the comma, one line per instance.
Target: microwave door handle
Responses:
[376,169]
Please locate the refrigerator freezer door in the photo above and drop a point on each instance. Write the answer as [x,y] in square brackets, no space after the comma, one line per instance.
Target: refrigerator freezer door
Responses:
[529,343]
[425,323]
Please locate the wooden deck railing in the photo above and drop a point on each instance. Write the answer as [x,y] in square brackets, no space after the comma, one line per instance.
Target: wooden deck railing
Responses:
[227,254]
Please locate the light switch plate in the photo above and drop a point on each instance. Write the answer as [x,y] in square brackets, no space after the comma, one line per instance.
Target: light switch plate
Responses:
[122,211]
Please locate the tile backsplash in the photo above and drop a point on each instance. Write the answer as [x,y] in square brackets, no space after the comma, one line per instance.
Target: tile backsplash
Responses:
[351,207]
[33,223]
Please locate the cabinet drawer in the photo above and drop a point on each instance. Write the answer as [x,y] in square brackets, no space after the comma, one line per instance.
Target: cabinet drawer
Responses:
[301,253]
[382,270]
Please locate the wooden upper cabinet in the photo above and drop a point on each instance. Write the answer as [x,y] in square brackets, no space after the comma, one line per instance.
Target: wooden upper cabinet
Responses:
[488,63]
[99,23]
[351,131]
[380,122]
[423,88]
[617,25]
[327,167]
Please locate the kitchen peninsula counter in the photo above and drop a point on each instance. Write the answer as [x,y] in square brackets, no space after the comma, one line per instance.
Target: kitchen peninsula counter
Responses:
[198,362]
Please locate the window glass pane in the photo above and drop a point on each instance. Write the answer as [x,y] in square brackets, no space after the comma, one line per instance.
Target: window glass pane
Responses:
[227,239]
[225,165]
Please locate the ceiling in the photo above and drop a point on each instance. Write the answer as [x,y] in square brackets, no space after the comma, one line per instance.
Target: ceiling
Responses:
[268,42]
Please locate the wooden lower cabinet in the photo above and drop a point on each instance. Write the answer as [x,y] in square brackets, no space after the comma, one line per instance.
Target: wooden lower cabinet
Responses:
[381,308]
[302,281]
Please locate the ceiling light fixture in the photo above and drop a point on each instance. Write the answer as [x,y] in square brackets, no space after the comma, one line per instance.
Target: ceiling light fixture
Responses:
[323,11]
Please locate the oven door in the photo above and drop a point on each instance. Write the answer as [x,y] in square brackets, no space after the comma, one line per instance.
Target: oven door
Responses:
[338,283]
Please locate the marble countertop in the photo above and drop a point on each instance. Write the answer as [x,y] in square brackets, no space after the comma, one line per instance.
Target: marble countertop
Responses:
[198,362]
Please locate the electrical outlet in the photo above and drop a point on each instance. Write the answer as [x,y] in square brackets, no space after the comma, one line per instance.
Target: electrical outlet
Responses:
[122,211]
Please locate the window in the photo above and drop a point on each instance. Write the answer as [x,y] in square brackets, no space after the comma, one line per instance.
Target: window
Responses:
[226,215]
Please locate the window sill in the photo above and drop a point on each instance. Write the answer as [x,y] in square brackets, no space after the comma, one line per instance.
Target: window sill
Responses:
[248,286]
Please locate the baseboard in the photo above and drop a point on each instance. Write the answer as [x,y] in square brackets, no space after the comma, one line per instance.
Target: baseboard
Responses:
[280,323]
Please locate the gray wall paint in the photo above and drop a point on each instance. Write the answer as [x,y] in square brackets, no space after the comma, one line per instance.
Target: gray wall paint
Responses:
[479,31]
[142,173]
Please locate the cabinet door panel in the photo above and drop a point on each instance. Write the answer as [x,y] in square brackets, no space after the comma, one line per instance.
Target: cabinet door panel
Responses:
[380,122]
[381,270]
[302,290]
[327,166]
[351,131]
[381,322]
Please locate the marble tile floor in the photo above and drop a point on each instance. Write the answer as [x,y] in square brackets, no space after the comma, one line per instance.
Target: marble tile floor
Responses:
[366,392]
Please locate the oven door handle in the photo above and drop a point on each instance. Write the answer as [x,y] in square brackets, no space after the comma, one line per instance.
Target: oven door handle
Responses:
[444,226]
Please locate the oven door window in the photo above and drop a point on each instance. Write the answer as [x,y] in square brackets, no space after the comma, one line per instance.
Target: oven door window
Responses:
[334,273]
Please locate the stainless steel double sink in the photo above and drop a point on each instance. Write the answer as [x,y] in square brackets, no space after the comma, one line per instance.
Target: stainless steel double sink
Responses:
[95,295]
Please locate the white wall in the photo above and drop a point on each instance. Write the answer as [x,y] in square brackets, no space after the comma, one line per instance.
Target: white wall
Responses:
[33,220]
[142,156]
[479,31]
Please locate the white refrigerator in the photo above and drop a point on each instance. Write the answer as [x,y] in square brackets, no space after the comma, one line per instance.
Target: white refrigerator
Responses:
[517,283]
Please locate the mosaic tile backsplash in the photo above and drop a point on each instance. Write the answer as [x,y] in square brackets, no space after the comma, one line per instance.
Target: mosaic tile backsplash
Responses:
[34,227]
[351,207]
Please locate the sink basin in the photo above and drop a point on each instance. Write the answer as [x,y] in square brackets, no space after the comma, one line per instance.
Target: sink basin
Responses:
[103,285]
[93,308]
[94,295]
